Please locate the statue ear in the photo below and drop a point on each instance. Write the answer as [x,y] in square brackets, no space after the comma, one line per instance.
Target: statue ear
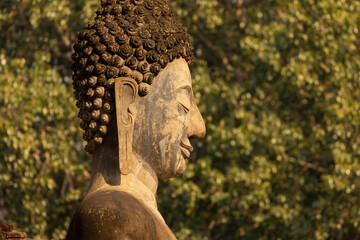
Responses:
[126,90]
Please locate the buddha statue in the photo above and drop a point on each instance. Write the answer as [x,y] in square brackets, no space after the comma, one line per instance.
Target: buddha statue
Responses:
[133,88]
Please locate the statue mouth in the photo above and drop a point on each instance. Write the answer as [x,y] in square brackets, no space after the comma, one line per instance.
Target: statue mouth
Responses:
[186,149]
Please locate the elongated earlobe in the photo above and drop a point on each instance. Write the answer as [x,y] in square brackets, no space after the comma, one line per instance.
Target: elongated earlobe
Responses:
[126,90]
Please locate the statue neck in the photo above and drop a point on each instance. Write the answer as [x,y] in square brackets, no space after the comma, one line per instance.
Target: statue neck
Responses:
[141,182]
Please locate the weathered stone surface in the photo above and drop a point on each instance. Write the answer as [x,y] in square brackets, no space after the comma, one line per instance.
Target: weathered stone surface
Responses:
[6,227]
[151,140]
[8,233]
[137,118]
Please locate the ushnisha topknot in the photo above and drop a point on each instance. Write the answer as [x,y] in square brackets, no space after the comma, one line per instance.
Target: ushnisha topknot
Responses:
[128,38]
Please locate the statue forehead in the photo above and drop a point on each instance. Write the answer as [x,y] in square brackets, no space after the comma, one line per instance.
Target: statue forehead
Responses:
[175,75]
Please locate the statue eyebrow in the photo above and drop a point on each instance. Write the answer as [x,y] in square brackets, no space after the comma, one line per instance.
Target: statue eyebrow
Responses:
[187,87]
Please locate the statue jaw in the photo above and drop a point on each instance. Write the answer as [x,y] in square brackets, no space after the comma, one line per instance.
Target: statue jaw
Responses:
[171,166]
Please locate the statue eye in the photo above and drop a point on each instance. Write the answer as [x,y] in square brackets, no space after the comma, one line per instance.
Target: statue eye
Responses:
[183,98]
[186,109]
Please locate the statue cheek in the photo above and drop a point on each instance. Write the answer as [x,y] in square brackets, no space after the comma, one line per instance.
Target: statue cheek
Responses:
[169,148]
[164,150]
[183,125]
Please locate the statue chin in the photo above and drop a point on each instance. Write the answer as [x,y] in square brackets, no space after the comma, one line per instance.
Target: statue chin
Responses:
[180,167]
[178,170]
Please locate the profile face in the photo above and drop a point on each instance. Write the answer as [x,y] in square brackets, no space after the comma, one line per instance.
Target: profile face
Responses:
[165,119]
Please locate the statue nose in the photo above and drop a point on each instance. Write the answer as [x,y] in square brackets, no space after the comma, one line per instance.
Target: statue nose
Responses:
[197,128]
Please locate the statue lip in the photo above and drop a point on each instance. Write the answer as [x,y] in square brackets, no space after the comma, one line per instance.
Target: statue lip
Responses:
[186,148]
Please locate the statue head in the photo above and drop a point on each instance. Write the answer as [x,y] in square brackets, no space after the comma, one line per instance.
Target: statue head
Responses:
[131,70]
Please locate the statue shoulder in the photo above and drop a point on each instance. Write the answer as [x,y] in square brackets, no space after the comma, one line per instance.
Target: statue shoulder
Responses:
[114,215]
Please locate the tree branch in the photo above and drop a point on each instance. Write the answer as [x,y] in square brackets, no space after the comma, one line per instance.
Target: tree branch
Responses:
[224,59]
[65,40]
[303,163]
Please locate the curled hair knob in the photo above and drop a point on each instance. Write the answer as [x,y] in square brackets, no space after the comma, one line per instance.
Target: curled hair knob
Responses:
[148,78]
[90,93]
[132,62]
[137,76]
[100,91]
[103,2]
[79,104]
[87,136]
[110,83]
[109,96]
[98,139]
[155,69]
[100,68]
[75,56]
[98,103]
[106,58]
[145,34]
[92,81]
[94,58]
[100,48]
[149,5]
[83,62]
[117,61]
[88,51]
[93,126]
[112,72]
[103,130]
[94,39]
[90,147]
[116,10]
[149,44]
[108,39]
[83,125]
[102,79]
[144,67]
[121,39]
[108,9]
[95,114]
[137,2]
[82,44]
[114,48]
[83,82]
[90,24]
[108,107]
[144,89]
[125,72]
[105,119]
[87,116]
[90,69]
[136,41]
[89,105]
[125,51]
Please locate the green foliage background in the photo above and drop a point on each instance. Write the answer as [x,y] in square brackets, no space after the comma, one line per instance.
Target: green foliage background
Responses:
[277,82]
